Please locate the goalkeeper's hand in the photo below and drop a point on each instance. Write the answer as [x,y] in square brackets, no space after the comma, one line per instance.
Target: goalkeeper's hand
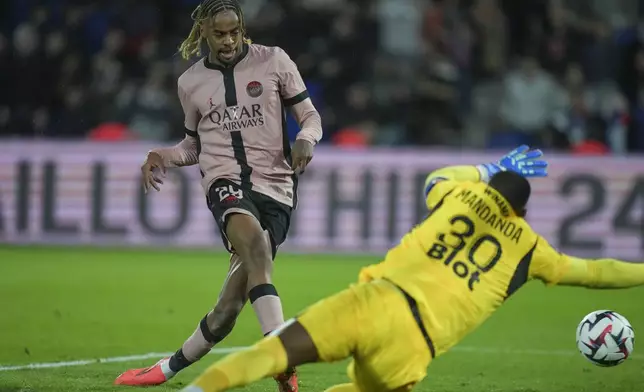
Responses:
[522,160]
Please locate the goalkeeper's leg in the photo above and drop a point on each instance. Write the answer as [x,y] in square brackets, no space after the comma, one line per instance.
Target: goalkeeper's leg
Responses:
[271,356]
[330,322]
[370,320]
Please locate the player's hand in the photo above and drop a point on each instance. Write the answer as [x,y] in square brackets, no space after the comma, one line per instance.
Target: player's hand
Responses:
[301,155]
[521,160]
[153,161]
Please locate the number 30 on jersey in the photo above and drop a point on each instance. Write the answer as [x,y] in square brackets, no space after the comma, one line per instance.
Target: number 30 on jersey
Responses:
[468,257]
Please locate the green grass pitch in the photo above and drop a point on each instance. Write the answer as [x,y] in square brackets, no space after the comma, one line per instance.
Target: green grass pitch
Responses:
[64,304]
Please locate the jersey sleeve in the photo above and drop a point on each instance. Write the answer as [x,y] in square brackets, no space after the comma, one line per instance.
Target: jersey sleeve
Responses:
[310,122]
[556,268]
[186,153]
[438,192]
[292,87]
[602,274]
[369,273]
[442,181]
[455,173]
[548,265]
[191,113]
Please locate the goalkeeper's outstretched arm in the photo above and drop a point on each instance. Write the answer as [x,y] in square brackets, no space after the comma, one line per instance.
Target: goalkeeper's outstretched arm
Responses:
[453,173]
[521,160]
[602,274]
[443,180]
[555,268]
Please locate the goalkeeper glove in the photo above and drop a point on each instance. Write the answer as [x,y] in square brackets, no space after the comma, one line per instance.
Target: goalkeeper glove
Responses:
[522,160]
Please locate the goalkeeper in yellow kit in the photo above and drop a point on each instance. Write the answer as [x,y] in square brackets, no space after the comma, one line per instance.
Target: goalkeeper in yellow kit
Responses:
[444,279]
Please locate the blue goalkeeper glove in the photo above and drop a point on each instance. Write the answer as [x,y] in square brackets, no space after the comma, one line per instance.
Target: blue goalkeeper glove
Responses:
[522,160]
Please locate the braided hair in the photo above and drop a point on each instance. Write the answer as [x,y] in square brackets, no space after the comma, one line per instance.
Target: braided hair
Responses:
[191,46]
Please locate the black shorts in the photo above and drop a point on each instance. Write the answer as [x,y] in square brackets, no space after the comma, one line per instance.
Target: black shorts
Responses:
[226,198]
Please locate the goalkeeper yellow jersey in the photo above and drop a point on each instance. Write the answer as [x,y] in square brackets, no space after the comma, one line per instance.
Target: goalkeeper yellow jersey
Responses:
[465,259]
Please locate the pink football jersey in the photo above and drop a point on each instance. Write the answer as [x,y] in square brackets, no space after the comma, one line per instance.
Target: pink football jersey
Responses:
[238,115]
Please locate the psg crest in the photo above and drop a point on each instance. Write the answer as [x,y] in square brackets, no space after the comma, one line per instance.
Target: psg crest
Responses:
[254,89]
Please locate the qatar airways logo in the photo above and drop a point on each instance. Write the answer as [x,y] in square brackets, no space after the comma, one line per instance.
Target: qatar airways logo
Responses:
[236,118]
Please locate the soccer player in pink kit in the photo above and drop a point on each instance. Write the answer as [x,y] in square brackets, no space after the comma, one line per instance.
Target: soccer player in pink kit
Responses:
[234,101]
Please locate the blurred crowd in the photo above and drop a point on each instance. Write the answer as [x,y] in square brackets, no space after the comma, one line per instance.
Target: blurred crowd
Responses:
[564,74]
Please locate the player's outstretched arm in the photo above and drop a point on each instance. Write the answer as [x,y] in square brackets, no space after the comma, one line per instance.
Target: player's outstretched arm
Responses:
[555,268]
[602,274]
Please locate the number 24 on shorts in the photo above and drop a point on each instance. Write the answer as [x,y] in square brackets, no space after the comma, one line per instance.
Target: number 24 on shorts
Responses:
[229,192]
[457,243]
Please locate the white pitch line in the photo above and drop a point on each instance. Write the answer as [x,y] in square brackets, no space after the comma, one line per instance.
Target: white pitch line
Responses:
[126,358]
[228,350]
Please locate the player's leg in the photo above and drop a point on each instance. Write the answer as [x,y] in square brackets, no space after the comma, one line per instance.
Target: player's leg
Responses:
[275,218]
[252,243]
[267,358]
[371,322]
[324,332]
[218,323]
[224,200]
[212,329]
[238,218]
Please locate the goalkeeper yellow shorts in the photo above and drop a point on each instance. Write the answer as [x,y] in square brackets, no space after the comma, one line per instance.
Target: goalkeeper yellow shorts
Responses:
[373,323]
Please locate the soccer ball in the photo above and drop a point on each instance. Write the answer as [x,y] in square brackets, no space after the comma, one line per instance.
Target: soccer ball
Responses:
[605,338]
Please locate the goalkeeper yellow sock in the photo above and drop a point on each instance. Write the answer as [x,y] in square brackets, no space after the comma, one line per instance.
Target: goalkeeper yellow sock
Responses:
[343,388]
[266,358]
